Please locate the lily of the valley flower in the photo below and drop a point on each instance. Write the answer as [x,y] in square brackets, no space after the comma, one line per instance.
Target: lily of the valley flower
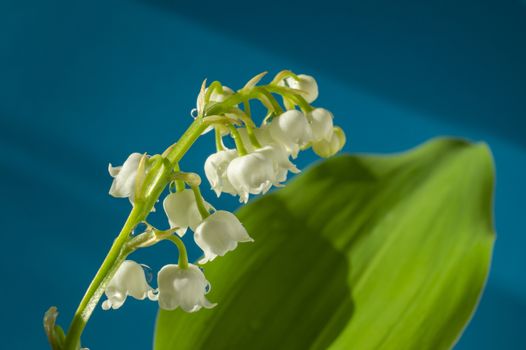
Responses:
[321,124]
[291,130]
[216,171]
[218,234]
[123,185]
[329,148]
[306,84]
[183,287]
[181,209]
[250,174]
[280,161]
[262,134]
[128,280]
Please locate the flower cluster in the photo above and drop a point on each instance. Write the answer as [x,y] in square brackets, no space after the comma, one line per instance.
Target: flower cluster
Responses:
[262,158]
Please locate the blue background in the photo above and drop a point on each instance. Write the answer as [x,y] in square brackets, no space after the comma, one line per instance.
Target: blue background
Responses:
[84,83]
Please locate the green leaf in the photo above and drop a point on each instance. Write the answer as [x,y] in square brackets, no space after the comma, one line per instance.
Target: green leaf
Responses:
[359,252]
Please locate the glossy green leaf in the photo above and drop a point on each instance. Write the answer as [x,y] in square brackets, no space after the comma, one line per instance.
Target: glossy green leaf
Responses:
[359,252]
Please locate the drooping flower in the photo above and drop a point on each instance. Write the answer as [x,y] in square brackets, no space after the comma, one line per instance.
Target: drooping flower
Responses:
[128,280]
[250,174]
[306,84]
[218,234]
[291,130]
[183,287]
[216,171]
[262,134]
[329,148]
[280,161]
[321,124]
[123,185]
[181,209]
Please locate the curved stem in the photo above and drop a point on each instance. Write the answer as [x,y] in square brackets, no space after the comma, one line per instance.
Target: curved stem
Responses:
[117,252]
[200,202]
[183,256]
[241,150]
[219,140]
[247,119]
[179,184]
[104,274]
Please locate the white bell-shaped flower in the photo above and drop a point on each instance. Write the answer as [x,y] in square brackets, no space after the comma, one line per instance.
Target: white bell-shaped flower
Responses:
[250,174]
[181,210]
[306,84]
[123,185]
[220,233]
[329,148]
[291,130]
[128,280]
[321,124]
[262,134]
[216,171]
[185,288]
[280,160]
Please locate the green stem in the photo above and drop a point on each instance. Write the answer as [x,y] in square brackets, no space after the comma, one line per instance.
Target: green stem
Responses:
[200,202]
[183,256]
[264,93]
[175,152]
[248,125]
[117,253]
[104,274]
[241,150]
[296,98]
[179,184]
[219,140]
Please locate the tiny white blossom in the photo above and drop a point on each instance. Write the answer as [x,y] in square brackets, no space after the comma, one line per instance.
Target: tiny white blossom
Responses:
[250,174]
[329,148]
[184,288]
[123,185]
[321,124]
[220,233]
[128,280]
[262,134]
[280,160]
[181,209]
[291,130]
[306,84]
[216,171]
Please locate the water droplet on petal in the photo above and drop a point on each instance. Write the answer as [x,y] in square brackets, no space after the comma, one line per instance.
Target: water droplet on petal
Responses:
[148,272]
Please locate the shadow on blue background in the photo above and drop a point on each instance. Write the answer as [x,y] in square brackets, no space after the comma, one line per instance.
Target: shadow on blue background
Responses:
[86,83]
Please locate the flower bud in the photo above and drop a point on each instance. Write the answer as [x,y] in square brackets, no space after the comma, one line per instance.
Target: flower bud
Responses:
[128,280]
[216,171]
[215,96]
[306,84]
[218,234]
[181,209]
[183,287]
[321,124]
[250,174]
[327,149]
[291,130]
[124,176]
